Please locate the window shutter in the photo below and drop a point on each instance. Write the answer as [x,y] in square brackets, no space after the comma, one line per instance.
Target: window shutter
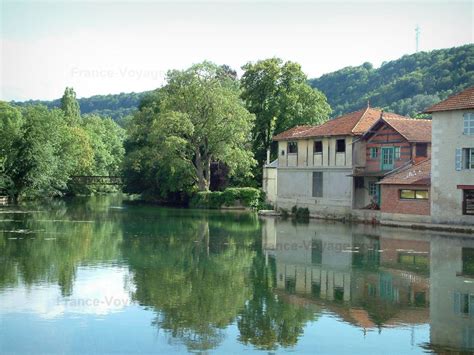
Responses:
[466,123]
[457,303]
[458,159]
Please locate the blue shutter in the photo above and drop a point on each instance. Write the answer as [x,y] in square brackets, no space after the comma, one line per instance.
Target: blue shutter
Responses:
[466,123]
[458,159]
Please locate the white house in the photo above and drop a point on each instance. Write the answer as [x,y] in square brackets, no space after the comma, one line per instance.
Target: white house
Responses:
[315,163]
[452,165]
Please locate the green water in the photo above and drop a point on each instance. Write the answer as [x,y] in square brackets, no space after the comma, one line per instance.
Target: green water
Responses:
[97,275]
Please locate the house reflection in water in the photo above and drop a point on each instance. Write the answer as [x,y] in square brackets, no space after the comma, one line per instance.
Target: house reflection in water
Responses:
[375,278]
[452,303]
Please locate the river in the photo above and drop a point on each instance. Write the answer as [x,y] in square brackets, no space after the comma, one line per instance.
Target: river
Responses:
[102,275]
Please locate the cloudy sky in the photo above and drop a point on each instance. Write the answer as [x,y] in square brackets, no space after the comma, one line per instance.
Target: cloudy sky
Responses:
[103,46]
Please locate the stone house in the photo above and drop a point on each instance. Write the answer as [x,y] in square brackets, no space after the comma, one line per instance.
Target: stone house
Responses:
[452,164]
[314,164]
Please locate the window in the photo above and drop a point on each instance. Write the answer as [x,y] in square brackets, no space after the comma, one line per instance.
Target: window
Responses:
[463,303]
[374,152]
[468,202]
[316,289]
[372,188]
[292,147]
[469,124]
[397,153]
[468,158]
[316,251]
[290,285]
[317,184]
[359,182]
[421,150]
[414,194]
[318,147]
[340,146]
[468,261]
[282,152]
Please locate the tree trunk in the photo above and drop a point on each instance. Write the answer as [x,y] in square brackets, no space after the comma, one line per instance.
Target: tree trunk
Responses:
[203,171]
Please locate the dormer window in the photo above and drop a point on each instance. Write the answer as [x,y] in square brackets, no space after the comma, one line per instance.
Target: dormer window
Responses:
[292,147]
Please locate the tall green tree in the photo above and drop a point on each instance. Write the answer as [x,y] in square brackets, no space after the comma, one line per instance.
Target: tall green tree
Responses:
[40,168]
[70,106]
[279,96]
[197,118]
[106,139]
[11,123]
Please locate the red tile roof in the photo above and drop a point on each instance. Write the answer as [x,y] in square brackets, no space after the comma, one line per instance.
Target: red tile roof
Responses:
[461,101]
[412,174]
[414,130]
[351,124]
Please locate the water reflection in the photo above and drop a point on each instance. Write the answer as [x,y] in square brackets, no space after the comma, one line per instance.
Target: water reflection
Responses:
[200,281]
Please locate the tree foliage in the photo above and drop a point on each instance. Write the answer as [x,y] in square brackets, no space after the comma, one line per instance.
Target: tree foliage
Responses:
[195,119]
[70,106]
[279,96]
[41,148]
[406,86]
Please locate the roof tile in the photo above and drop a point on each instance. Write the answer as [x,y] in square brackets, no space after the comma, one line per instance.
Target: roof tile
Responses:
[414,130]
[413,174]
[460,101]
[351,124]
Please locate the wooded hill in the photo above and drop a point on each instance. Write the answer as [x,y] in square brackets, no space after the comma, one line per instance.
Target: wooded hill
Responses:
[115,106]
[407,85]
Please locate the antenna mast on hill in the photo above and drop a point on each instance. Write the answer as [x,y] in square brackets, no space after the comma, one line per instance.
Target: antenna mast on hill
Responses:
[417,31]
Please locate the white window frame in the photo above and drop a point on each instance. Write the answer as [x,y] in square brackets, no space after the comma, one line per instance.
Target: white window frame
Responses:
[468,124]
[468,158]
[372,187]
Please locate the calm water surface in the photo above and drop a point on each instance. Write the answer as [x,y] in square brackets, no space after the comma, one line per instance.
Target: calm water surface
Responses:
[97,275]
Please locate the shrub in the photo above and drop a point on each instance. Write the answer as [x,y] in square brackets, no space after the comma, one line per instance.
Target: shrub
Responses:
[247,196]
[294,210]
[230,195]
[302,214]
[284,213]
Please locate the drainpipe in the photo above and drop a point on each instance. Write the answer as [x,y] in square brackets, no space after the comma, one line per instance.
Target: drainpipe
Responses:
[268,156]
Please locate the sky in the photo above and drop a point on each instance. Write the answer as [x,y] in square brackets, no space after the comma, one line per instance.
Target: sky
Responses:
[107,47]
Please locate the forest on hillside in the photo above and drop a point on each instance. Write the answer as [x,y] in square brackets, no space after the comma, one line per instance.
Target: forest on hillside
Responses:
[407,85]
[116,106]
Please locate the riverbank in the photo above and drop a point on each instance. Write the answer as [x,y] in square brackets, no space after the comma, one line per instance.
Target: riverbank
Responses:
[372,219]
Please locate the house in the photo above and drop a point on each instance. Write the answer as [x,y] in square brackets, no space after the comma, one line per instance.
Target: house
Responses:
[407,190]
[334,167]
[394,142]
[452,164]
[452,294]
[314,165]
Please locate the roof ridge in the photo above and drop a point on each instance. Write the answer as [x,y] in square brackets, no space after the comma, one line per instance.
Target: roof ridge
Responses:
[362,116]
[421,162]
[406,118]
